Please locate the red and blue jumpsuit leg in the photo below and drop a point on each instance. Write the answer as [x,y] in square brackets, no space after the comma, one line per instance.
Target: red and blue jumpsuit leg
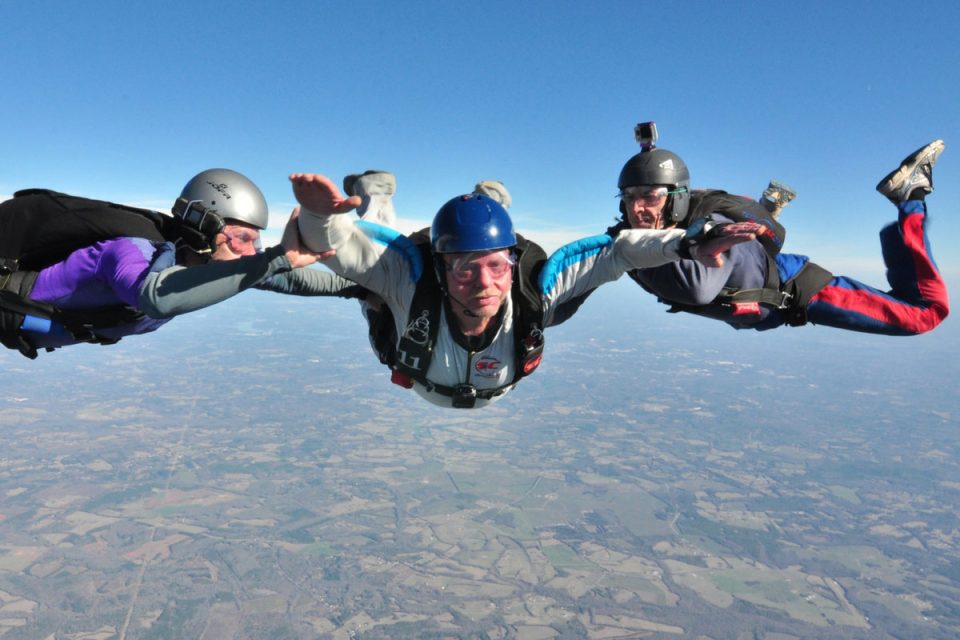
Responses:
[917,301]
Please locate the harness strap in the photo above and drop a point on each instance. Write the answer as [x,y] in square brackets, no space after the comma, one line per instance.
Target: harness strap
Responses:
[805,284]
[415,350]
[770,294]
[464,396]
[15,303]
[411,357]
[467,389]
[790,297]
[13,309]
[8,266]
[773,297]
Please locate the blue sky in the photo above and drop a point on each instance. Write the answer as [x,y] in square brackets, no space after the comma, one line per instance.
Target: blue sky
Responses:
[127,100]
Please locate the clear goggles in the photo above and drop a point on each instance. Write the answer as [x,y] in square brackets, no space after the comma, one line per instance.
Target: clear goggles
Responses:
[648,195]
[466,268]
[242,241]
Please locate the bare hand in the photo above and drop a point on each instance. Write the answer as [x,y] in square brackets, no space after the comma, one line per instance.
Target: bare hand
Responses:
[710,252]
[318,194]
[296,252]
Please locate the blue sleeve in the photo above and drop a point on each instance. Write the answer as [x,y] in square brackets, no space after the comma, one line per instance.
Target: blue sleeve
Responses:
[567,256]
[395,241]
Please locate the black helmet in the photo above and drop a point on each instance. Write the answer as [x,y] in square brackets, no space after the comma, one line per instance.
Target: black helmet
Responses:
[659,166]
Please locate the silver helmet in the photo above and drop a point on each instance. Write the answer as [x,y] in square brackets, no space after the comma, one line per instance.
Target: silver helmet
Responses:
[213,198]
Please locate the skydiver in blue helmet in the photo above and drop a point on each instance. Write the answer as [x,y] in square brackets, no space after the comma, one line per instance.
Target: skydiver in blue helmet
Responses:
[376,188]
[470,296]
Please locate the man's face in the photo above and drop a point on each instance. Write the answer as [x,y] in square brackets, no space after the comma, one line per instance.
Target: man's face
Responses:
[644,205]
[237,239]
[480,281]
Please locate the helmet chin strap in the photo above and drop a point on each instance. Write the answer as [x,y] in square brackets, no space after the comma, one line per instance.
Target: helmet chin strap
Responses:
[667,213]
[466,310]
[438,262]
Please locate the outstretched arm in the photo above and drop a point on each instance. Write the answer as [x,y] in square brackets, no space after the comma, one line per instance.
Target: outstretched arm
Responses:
[297,254]
[579,267]
[320,199]
[708,247]
[368,254]
[318,193]
[176,290]
[313,282]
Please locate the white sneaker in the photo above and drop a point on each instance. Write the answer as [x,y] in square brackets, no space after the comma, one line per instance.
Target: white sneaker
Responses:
[914,172]
[496,190]
[377,189]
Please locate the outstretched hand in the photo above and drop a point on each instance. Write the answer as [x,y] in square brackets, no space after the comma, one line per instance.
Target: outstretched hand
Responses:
[318,194]
[710,252]
[298,254]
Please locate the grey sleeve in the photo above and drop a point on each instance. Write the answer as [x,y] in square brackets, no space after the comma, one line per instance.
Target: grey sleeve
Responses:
[686,281]
[691,283]
[178,290]
[312,282]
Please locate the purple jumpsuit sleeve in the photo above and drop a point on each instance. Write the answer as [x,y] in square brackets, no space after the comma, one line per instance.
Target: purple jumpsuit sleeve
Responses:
[104,274]
[123,266]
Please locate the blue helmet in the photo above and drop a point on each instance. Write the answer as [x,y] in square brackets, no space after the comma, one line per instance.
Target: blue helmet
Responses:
[473,222]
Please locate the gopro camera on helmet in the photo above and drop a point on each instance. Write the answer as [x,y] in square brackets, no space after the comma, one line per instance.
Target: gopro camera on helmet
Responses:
[646,135]
[655,166]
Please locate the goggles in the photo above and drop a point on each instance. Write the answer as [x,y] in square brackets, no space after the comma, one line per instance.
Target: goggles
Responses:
[242,241]
[647,195]
[465,270]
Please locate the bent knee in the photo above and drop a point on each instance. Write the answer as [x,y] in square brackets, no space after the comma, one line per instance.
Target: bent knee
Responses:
[928,320]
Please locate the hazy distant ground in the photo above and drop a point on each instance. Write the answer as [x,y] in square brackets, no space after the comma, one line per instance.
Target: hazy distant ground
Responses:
[250,472]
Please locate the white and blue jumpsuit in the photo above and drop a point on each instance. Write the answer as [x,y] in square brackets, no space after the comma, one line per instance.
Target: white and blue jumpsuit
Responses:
[387,263]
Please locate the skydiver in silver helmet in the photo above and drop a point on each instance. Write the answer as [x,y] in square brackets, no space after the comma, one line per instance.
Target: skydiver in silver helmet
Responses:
[93,271]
